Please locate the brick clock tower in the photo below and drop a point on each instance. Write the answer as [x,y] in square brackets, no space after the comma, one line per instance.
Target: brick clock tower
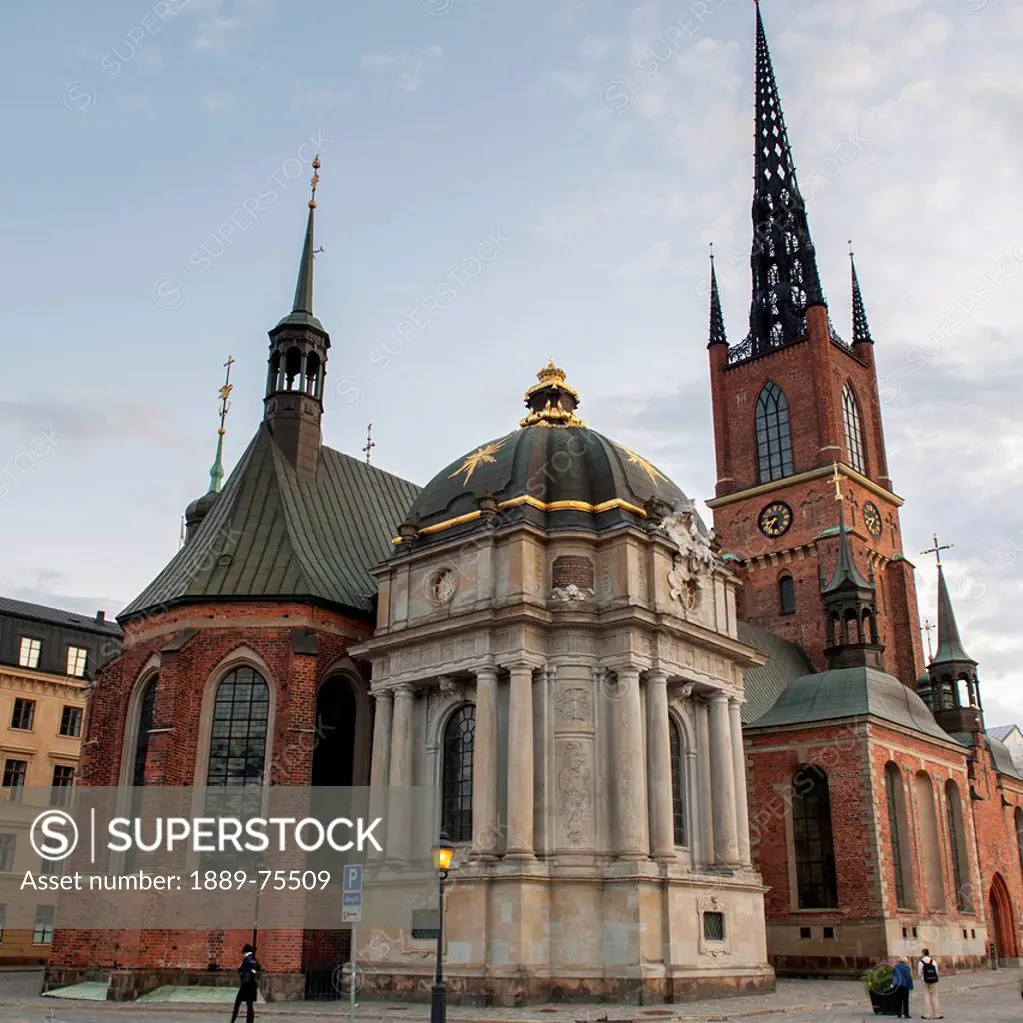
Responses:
[791,402]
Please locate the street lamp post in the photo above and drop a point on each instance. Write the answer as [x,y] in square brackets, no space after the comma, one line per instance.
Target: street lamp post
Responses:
[443,852]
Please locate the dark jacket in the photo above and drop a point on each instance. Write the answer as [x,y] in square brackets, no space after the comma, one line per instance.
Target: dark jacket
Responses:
[902,976]
[248,972]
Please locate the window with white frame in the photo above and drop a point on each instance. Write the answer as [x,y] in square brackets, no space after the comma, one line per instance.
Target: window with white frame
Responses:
[28,653]
[76,658]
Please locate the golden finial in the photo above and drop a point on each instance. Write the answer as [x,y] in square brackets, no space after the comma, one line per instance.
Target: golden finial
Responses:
[555,395]
[837,480]
[315,180]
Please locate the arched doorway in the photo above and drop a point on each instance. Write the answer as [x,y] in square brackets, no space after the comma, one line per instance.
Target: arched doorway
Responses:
[1001,927]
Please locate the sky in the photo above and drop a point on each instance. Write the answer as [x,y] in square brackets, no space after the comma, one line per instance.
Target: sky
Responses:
[561,166]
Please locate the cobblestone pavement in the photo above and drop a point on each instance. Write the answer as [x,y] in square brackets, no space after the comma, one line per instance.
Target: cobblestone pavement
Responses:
[972,998]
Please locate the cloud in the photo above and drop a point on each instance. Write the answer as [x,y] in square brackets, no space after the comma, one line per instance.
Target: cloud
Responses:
[217,102]
[222,25]
[595,47]
[102,419]
[408,66]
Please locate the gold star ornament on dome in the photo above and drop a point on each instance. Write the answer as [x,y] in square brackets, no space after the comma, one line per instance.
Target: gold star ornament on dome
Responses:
[482,456]
[655,475]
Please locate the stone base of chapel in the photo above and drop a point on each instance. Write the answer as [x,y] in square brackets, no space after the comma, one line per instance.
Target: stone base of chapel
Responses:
[519,986]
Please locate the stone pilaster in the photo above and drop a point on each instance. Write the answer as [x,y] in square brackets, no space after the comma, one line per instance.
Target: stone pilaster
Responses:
[520,761]
[484,765]
[658,738]
[739,763]
[722,767]
[628,766]
[381,767]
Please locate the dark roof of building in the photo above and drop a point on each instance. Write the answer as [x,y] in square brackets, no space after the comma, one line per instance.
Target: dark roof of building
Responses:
[272,534]
[851,692]
[764,684]
[55,616]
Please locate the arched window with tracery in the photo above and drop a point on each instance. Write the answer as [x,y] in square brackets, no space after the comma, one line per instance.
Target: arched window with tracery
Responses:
[456,776]
[957,846]
[854,445]
[816,879]
[678,785]
[898,836]
[774,434]
[147,712]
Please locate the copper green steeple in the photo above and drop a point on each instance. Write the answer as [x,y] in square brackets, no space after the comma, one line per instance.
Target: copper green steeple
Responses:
[217,471]
[301,314]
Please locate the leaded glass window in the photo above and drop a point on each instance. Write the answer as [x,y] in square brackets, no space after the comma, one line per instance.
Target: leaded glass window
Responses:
[815,853]
[678,785]
[853,430]
[774,435]
[893,785]
[456,780]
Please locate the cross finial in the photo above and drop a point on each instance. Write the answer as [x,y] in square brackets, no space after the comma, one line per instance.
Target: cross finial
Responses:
[937,549]
[225,393]
[837,480]
[927,627]
[315,181]
[370,443]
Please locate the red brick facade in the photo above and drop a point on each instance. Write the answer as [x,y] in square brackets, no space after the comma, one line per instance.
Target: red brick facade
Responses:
[812,374]
[192,648]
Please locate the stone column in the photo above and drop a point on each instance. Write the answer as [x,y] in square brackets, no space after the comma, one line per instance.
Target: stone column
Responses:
[739,762]
[520,761]
[705,793]
[484,765]
[400,775]
[722,768]
[628,766]
[658,740]
[381,765]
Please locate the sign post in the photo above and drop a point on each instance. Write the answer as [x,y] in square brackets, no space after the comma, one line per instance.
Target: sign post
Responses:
[351,913]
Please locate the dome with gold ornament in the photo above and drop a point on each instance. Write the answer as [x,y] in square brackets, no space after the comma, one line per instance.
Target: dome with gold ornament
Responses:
[553,471]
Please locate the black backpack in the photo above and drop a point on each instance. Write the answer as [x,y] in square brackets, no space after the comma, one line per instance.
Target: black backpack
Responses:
[930,972]
[248,970]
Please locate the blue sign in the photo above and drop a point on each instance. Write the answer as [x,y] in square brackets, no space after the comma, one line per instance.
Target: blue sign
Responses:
[351,899]
[352,878]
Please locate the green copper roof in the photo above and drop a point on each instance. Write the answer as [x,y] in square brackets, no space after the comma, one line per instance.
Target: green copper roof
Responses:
[950,646]
[270,534]
[764,683]
[301,314]
[846,574]
[849,693]
[217,470]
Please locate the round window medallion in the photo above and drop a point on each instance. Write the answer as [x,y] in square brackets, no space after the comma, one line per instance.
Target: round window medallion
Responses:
[441,586]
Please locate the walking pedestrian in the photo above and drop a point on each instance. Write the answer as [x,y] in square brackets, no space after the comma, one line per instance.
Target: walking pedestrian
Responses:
[902,978]
[248,984]
[928,970]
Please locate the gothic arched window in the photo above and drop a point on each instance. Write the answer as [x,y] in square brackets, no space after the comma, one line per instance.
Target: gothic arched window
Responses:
[957,846]
[854,445]
[816,881]
[147,711]
[456,777]
[787,595]
[678,785]
[898,836]
[238,739]
[930,843]
[774,435]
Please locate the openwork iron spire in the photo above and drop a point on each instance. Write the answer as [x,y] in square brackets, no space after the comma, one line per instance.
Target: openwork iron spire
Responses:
[784,265]
[717,319]
[861,328]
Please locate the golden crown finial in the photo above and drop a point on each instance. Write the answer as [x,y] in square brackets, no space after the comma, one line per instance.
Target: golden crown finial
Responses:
[315,180]
[552,402]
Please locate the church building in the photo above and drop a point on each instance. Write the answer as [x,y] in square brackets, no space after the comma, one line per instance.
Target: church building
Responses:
[673,761]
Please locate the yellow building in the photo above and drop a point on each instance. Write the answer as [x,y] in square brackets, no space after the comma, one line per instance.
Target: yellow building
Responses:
[48,660]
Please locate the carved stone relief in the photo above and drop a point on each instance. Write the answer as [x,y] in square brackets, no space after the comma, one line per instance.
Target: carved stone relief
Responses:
[573,703]
[575,793]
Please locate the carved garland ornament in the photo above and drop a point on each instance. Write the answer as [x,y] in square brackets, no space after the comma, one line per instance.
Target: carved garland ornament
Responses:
[695,559]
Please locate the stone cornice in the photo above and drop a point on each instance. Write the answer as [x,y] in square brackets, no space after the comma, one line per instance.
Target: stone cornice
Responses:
[43,683]
[776,486]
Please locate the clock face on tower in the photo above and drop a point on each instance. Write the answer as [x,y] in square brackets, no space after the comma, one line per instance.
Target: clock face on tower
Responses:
[775,519]
[872,519]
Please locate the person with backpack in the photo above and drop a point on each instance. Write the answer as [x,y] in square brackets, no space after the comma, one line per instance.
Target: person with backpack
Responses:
[248,984]
[928,970]
[902,979]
